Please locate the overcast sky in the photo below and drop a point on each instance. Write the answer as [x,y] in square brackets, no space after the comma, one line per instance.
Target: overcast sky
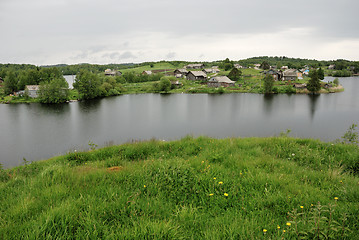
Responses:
[120,31]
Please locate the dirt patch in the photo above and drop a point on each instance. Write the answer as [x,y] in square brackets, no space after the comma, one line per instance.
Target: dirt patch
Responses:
[114,169]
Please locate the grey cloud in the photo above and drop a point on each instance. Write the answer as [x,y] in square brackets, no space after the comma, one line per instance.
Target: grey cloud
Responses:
[92,27]
[171,55]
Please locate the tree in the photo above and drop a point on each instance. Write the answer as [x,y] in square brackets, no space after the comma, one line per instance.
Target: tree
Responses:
[268,83]
[165,84]
[265,65]
[227,64]
[10,83]
[87,84]
[235,74]
[320,74]
[56,91]
[314,81]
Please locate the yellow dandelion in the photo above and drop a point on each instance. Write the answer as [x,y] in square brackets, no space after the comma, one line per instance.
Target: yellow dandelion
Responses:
[288,224]
[214,178]
[311,205]
[336,198]
[264,230]
[225,194]
[240,173]
[283,231]
[211,194]
[220,183]
[278,226]
[301,207]
[144,186]
[202,161]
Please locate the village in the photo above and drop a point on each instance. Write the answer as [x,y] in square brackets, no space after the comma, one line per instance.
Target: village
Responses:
[223,77]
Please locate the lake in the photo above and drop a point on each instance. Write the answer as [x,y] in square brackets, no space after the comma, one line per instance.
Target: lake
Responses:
[39,131]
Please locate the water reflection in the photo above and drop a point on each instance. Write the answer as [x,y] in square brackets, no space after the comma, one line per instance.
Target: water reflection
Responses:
[268,103]
[37,131]
[89,105]
[313,100]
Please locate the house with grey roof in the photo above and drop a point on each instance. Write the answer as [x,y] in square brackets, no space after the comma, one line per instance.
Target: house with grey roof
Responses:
[277,75]
[109,72]
[290,74]
[220,81]
[195,66]
[196,76]
[179,73]
[32,90]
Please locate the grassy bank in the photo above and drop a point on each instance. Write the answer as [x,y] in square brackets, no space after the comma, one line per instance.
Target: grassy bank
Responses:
[203,188]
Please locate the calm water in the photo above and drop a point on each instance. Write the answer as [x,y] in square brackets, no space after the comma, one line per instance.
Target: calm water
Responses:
[37,131]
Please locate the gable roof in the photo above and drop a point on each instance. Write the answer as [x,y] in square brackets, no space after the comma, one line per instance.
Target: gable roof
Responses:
[290,73]
[221,79]
[198,73]
[32,87]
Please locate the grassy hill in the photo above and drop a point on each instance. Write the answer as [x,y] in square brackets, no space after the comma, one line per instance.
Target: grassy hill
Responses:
[194,188]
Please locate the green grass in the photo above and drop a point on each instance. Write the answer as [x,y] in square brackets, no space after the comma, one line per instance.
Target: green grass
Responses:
[199,188]
[156,66]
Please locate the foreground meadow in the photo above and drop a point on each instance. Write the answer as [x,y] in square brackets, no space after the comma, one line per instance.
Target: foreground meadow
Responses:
[194,188]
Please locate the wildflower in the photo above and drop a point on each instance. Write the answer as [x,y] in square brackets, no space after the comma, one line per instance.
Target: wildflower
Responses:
[225,194]
[240,173]
[264,230]
[220,183]
[211,194]
[293,154]
[278,226]
[214,178]
[283,231]
[144,186]
[336,198]
[202,161]
[301,207]
[341,181]
[288,224]
[311,205]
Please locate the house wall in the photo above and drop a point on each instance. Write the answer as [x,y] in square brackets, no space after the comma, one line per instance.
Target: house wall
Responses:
[32,93]
[291,78]
[192,77]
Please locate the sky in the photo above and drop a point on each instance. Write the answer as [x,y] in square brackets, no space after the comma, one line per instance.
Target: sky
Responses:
[44,32]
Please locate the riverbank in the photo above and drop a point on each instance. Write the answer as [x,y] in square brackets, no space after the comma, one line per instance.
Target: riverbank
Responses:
[188,87]
[198,188]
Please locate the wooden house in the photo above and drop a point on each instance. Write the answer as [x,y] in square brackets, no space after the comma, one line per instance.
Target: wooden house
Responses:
[220,81]
[32,90]
[290,75]
[196,76]
[277,75]
[180,73]
[195,66]
[109,72]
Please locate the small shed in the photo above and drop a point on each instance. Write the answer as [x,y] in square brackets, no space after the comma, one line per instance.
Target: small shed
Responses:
[147,72]
[196,76]
[176,84]
[32,90]
[220,81]
[300,85]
